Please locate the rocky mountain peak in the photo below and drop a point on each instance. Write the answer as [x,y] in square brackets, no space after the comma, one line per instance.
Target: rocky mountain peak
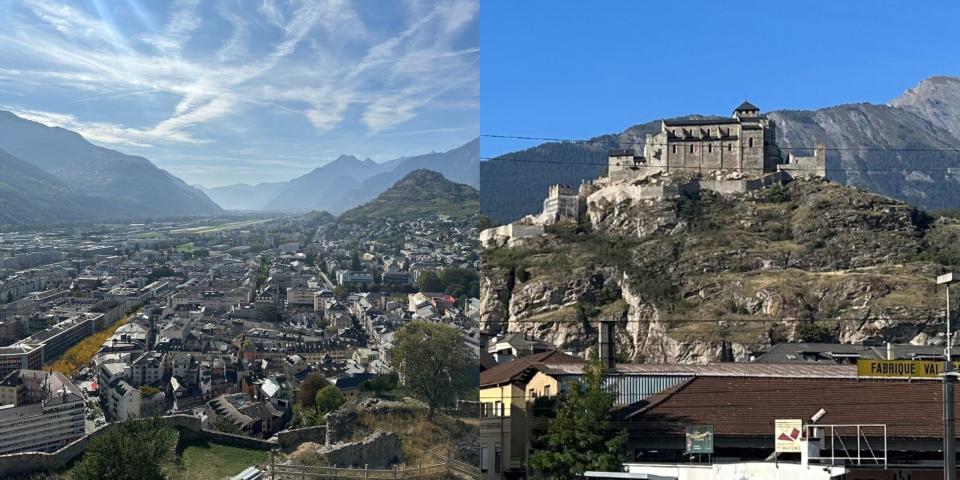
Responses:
[937,100]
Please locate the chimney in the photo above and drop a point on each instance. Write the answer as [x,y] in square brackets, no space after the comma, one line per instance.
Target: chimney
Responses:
[608,344]
[889,351]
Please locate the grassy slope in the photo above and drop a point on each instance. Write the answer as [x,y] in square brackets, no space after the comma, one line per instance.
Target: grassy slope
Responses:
[202,460]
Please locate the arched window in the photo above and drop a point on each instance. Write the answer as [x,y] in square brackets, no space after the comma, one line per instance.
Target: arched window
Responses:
[750,141]
[691,148]
[710,148]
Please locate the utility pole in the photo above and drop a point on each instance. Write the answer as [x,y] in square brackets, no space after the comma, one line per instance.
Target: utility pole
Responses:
[949,379]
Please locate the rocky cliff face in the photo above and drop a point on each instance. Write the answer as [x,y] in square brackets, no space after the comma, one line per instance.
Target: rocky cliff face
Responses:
[936,100]
[713,278]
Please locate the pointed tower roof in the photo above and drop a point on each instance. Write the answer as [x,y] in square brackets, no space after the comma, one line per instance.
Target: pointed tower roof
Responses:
[746,106]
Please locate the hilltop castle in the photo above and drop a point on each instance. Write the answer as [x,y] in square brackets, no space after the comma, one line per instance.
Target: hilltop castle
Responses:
[725,155]
[745,143]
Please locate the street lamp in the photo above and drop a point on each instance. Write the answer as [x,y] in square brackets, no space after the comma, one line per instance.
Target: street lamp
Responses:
[949,379]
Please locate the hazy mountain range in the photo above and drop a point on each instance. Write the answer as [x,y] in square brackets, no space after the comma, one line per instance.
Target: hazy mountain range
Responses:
[50,174]
[54,175]
[347,182]
[923,124]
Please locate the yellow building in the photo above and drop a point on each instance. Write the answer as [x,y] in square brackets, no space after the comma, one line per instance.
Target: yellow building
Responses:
[510,394]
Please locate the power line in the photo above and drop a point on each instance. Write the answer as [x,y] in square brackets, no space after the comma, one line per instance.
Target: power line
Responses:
[948,171]
[621,142]
[938,316]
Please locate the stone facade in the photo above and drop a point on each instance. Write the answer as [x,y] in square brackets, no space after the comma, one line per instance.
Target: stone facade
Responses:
[815,166]
[561,203]
[745,142]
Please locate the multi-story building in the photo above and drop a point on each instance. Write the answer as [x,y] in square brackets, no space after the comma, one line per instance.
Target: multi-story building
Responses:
[347,277]
[300,297]
[148,368]
[39,411]
[396,278]
[20,356]
[60,337]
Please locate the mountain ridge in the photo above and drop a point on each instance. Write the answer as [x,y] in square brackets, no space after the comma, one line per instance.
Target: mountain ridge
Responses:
[136,186]
[347,182]
[923,117]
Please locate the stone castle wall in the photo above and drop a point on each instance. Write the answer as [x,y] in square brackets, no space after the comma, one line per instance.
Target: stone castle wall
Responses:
[504,234]
[290,439]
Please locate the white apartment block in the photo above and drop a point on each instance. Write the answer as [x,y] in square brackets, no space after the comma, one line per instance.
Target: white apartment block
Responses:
[39,412]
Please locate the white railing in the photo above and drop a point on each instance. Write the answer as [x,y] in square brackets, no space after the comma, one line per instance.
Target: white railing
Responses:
[847,444]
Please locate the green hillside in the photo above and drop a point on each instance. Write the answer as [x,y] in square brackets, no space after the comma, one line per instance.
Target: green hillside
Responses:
[421,193]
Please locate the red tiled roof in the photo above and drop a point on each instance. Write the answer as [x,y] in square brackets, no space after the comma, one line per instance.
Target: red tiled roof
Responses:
[748,406]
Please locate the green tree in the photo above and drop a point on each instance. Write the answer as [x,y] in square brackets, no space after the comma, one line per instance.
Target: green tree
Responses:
[434,363]
[460,281]
[381,384]
[580,437]
[328,399]
[429,282]
[309,388]
[813,332]
[132,449]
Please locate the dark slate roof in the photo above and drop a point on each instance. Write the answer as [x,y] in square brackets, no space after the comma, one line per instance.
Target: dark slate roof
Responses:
[746,106]
[807,353]
[352,381]
[512,370]
[486,360]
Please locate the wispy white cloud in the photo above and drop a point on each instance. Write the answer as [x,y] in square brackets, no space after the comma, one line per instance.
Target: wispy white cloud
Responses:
[319,60]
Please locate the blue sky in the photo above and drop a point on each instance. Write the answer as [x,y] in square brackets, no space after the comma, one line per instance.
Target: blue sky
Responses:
[572,69]
[224,91]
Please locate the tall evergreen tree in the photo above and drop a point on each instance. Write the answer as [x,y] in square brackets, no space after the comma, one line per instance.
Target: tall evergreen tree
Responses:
[580,438]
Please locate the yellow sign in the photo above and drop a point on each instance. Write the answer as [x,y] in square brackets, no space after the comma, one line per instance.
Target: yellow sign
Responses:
[787,435]
[901,368]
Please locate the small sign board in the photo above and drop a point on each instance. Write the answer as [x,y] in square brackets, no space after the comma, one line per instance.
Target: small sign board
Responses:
[901,368]
[700,439]
[787,435]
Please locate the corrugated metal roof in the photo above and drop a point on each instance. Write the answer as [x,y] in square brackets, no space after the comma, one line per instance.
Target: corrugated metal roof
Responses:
[714,370]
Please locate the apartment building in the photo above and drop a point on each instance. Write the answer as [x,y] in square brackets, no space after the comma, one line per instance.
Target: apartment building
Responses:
[39,411]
